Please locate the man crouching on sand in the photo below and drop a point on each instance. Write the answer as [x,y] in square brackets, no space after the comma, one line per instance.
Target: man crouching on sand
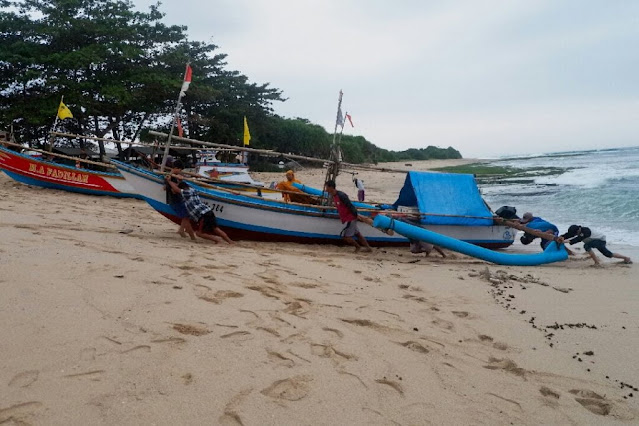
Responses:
[199,212]
[348,215]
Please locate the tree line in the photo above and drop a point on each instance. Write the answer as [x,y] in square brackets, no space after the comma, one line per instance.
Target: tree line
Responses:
[120,69]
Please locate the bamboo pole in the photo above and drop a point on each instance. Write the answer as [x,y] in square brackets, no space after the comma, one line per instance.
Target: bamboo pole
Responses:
[275,153]
[63,156]
[267,152]
[71,135]
[237,148]
[535,232]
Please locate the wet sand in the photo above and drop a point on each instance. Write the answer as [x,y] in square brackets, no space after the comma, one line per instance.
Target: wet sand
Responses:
[109,317]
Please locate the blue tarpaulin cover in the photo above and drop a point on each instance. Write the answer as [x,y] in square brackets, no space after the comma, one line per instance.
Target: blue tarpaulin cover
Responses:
[445,194]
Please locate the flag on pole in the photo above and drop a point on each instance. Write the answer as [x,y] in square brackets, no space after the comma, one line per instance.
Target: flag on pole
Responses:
[348,117]
[179,127]
[187,80]
[64,111]
[247,135]
[340,117]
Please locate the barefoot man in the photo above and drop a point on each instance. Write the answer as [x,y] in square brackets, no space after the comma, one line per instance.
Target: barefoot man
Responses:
[199,212]
[348,215]
[592,240]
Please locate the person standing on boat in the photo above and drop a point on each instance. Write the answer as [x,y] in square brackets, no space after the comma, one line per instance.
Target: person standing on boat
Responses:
[348,215]
[591,239]
[360,189]
[199,212]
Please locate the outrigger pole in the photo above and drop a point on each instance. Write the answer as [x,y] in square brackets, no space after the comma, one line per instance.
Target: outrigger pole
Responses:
[266,152]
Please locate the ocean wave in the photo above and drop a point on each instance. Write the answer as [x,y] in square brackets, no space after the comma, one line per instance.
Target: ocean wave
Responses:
[589,177]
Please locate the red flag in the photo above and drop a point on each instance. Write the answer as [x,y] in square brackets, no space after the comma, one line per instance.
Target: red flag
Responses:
[348,117]
[179,127]
[187,79]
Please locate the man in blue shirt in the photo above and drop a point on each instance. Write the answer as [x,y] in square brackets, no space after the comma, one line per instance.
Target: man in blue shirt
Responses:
[538,224]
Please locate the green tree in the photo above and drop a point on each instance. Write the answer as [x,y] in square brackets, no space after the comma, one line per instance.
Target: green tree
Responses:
[101,55]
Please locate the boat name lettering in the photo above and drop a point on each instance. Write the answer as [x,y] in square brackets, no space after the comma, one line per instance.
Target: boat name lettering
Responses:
[59,174]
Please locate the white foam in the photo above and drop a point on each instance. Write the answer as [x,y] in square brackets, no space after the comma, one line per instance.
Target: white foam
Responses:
[589,177]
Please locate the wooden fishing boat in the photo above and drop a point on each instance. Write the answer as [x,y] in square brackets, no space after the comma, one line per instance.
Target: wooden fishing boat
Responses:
[246,217]
[37,171]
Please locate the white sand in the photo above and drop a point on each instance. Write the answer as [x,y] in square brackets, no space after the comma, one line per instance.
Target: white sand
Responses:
[103,327]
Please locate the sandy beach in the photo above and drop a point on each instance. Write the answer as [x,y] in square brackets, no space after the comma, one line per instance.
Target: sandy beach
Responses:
[109,317]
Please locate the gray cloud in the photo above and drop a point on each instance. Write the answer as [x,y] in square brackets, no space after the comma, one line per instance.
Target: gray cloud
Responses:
[489,77]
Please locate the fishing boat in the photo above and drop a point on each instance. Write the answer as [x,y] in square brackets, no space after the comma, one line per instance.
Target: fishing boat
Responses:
[246,217]
[208,165]
[38,171]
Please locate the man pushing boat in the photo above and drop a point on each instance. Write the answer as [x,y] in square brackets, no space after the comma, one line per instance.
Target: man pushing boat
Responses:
[199,212]
[348,215]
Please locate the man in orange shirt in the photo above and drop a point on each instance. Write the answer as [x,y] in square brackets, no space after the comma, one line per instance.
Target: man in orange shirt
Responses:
[287,185]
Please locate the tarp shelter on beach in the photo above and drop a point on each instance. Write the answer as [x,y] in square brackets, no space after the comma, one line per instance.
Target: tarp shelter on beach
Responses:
[445,194]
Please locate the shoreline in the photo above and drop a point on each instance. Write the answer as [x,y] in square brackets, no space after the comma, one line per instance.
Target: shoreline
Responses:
[108,316]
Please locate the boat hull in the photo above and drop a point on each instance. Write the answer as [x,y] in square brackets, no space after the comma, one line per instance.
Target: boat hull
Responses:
[45,174]
[252,218]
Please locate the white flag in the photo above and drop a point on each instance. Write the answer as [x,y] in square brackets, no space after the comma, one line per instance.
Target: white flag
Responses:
[340,117]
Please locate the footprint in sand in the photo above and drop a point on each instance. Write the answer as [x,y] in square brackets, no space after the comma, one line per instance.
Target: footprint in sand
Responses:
[415,346]
[238,336]
[392,384]
[280,359]
[505,364]
[299,307]
[19,414]
[592,401]
[446,325]
[500,346]
[548,392]
[460,314]
[217,297]
[193,330]
[335,331]
[291,389]
[485,338]
[24,379]
[329,351]
[231,416]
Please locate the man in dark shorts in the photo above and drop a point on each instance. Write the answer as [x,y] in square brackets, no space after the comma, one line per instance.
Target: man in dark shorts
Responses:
[199,212]
[348,215]
[592,239]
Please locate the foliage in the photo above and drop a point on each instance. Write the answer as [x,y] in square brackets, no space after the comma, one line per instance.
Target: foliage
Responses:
[120,70]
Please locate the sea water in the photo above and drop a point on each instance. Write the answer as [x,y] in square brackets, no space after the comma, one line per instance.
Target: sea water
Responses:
[598,189]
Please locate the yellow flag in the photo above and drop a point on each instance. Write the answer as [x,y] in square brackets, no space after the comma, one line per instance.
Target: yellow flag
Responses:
[247,135]
[64,111]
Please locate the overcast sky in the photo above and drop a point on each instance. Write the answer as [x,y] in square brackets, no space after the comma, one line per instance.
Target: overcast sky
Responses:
[488,77]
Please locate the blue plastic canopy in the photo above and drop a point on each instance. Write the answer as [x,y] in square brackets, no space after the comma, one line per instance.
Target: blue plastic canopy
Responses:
[445,194]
